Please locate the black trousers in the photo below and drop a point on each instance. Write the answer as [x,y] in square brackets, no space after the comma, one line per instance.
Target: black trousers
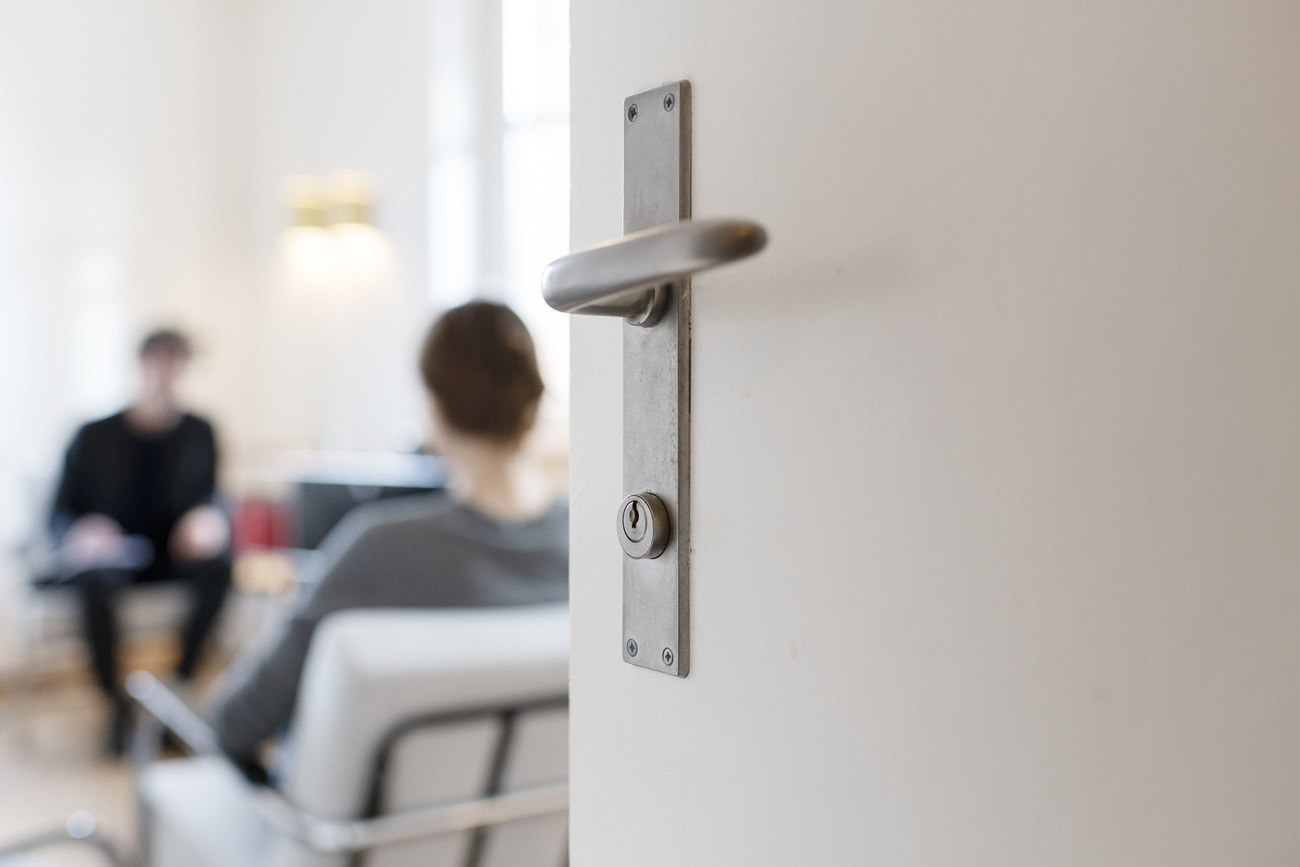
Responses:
[208,582]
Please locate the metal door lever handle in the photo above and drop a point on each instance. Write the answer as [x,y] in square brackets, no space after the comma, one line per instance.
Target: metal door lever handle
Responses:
[627,276]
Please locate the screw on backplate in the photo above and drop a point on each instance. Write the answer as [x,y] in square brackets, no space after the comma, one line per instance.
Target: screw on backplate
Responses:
[668,656]
[669,102]
[631,647]
[632,112]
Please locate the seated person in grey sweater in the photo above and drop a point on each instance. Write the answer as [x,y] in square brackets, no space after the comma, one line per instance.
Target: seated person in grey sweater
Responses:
[499,537]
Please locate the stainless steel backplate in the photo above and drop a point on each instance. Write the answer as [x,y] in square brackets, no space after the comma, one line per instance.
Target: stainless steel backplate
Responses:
[657,385]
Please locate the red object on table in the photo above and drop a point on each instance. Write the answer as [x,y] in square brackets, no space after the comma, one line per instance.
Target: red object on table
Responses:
[261,523]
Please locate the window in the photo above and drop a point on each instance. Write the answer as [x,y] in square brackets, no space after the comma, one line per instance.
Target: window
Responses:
[499,180]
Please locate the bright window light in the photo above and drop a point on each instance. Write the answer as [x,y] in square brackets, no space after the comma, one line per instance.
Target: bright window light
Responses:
[535,104]
[499,179]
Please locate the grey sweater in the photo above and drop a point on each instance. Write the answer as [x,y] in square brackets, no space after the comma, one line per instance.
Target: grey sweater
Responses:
[424,552]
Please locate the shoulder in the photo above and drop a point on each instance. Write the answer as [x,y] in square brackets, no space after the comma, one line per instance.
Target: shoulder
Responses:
[109,424]
[551,527]
[545,532]
[381,520]
[196,425]
[397,511]
[376,544]
[194,433]
[558,513]
[110,427]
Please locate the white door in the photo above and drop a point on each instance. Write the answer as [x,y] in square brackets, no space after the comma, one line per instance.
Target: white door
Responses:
[996,474]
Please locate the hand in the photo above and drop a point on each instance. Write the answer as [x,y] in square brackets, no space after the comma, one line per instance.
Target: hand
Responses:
[92,540]
[201,534]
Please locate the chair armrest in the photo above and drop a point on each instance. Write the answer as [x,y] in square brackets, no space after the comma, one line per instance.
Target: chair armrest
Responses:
[163,705]
[335,837]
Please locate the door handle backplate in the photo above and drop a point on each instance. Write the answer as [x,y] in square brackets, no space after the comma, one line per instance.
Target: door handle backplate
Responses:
[644,277]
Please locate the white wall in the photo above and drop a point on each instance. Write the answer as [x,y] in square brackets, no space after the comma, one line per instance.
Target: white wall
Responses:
[341,84]
[996,479]
[142,152]
[119,210]
[142,149]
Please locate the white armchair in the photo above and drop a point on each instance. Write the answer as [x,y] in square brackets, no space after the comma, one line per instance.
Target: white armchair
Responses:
[420,737]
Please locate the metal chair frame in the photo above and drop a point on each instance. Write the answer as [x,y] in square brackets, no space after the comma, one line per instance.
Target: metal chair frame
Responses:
[163,709]
[63,836]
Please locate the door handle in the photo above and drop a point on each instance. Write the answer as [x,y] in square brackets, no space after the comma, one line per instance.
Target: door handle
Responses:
[628,276]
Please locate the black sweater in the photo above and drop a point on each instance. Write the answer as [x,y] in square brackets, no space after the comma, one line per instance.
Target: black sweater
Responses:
[145,483]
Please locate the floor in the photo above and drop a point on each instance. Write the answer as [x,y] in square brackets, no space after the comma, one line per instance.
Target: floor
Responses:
[50,767]
[52,761]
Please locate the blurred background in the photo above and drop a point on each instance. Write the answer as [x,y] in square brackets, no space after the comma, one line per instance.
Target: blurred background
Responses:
[299,185]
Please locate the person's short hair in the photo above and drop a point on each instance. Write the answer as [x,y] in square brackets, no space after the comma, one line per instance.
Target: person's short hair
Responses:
[165,341]
[478,361]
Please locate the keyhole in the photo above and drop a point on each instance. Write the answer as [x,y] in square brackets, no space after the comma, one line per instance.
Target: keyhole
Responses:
[633,522]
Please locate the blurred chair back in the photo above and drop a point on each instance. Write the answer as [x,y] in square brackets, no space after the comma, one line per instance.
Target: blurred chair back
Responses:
[400,709]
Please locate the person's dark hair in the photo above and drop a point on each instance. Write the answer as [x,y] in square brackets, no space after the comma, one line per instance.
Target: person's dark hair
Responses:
[165,341]
[478,361]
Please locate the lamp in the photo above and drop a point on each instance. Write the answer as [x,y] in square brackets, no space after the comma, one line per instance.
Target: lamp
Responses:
[360,247]
[305,243]
[330,236]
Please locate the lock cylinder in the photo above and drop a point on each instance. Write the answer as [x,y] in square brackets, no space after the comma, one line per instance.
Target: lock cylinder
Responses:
[642,526]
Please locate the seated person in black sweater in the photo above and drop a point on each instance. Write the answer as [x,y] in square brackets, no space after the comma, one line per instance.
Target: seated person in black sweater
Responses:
[135,504]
